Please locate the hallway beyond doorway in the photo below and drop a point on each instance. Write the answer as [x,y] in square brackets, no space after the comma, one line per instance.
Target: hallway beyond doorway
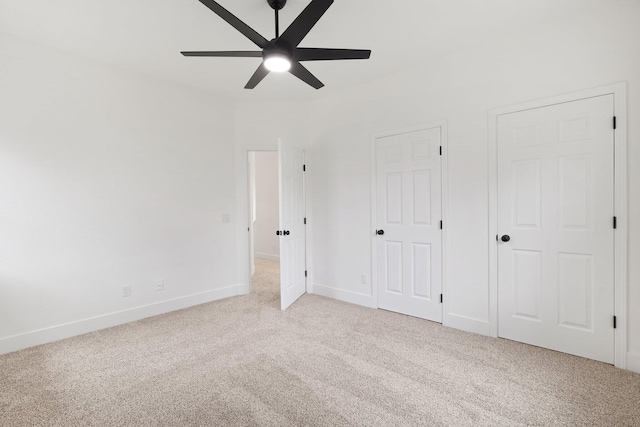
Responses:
[265,282]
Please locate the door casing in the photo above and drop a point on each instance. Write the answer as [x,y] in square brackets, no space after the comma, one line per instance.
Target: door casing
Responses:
[620,204]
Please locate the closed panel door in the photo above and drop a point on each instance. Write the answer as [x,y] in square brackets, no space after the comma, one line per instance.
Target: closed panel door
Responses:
[292,243]
[555,216]
[408,212]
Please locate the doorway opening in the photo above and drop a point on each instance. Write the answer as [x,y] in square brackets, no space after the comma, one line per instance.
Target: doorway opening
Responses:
[289,230]
[264,212]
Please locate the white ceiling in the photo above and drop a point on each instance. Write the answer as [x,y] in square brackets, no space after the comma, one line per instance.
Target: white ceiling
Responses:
[146,36]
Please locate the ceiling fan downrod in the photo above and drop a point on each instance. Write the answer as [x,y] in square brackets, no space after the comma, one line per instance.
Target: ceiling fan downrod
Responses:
[277,5]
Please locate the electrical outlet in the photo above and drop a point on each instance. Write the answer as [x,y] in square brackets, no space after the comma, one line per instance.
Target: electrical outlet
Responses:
[363,279]
[126,291]
[159,285]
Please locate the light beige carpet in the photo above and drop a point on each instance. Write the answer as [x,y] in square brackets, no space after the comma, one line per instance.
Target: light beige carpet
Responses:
[241,361]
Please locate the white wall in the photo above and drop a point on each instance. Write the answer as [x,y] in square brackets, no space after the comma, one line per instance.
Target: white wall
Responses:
[107,179]
[592,48]
[266,243]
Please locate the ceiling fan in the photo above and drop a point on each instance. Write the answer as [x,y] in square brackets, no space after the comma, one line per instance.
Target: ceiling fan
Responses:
[282,53]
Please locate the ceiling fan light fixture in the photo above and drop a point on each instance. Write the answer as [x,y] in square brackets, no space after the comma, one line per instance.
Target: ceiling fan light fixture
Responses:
[277,62]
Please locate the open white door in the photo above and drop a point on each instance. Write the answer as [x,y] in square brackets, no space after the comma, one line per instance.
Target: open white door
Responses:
[292,232]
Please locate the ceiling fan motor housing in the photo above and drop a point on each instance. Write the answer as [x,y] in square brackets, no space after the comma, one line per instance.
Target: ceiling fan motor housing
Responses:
[277,4]
[278,49]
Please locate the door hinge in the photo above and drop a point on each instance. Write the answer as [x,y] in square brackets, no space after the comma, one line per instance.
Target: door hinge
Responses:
[615,124]
[248,229]
[441,299]
[615,322]
[615,222]
[441,150]
[440,225]
[305,273]
[305,221]
[304,168]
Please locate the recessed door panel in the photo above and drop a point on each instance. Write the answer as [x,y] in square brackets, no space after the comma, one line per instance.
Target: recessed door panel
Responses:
[525,136]
[527,278]
[421,149]
[575,279]
[575,191]
[394,267]
[421,261]
[526,197]
[394,198]
[575,129]
[421,195]
[393,154]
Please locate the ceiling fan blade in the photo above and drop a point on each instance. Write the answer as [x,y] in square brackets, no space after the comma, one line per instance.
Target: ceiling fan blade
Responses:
[305,75]
[257,77]
[304,22]
[315,54]
[236,23]
[230,54]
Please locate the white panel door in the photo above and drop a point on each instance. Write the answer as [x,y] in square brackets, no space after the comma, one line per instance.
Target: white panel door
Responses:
[555,208]
[292,238]
[408,211]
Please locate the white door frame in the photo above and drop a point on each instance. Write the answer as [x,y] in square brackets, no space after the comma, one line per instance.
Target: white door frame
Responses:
[619,92]
[442,124]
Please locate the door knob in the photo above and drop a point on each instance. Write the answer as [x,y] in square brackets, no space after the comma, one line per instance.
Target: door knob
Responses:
[379,232]
[505,238]
[286,232]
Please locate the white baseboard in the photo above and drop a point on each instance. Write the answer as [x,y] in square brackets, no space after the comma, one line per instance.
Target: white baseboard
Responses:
[468,324]
[633,362]
[269,257]
[344,295]
[68,330]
